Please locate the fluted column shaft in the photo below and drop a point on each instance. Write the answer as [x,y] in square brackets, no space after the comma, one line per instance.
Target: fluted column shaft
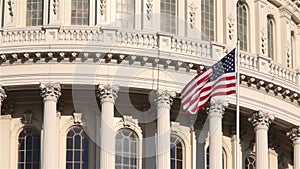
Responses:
[261,122]
[50,93]
[164,101]
[215,115]
[295,137]
[107,95]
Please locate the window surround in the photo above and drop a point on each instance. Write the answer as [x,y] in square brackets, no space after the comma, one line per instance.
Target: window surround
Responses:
[127,122]
[243,3]
[69,122]
[213,13]
[271,22]
[183,133]
[162,26]
[18,127]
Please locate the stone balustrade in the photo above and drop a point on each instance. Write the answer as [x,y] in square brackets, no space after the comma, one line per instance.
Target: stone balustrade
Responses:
[189,49]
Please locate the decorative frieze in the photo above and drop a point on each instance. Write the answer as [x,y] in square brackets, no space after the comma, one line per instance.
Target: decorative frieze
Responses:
[107,93]
[149,9]
[55,6]
[192,13]
[102,6]
[261,118]
[50,91]
[231,22]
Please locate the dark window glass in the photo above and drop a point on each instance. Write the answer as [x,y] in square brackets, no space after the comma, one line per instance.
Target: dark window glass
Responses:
[176,153]
[77,149]
[29,149]
[126,149]
[250,162]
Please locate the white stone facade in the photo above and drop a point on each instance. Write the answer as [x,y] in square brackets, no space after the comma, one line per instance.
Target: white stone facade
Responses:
[110,80]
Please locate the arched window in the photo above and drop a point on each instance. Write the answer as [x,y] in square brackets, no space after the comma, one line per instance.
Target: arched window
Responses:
[207,20]
[250,162]
[270,29]
[224,158]
[126,149]
[29,149]
[168,10]
[80,12]
[176,153]
[34,12]
[77,149]
[242,31]
[125,13]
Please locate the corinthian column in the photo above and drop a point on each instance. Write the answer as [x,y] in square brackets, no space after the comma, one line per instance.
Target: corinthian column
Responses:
[164,100]
[294,135]
[261,122]
[215,115]
[107,95]
[2,97]
[50,93]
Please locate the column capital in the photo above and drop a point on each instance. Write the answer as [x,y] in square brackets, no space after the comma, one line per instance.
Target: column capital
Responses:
[164,98]
[261,119]
[294,134]
[50,91]
[107,93]
[217,106]
[2,94]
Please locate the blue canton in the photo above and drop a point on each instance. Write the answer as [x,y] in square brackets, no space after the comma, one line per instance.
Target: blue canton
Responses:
[225,65]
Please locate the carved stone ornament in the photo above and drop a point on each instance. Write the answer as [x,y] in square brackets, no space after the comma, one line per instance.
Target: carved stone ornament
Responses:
[77,117]
[230,26]
[294,134]
[217,106]
[263,42]
[27,117]
[261,118]
[7,107]
[107,93]
[50,90]
[102,6]
[192,12]
[129,121]
[149,9]
[10,7]
[55,6]
[2,94]
[164,98]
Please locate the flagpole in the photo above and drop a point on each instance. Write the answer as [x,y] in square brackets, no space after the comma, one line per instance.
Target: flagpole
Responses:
[237,105]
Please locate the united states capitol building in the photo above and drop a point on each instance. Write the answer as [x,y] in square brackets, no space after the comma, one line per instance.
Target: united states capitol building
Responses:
[88,84]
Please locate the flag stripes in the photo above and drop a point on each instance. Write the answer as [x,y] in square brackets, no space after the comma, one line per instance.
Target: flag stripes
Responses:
[219,80]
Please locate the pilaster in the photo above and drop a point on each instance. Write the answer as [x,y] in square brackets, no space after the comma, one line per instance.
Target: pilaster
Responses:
[107,95]
[164,100]
[50,93]
[294,135]
[215,115]
[261,122]
[261,25]
[285,36]
[5,124]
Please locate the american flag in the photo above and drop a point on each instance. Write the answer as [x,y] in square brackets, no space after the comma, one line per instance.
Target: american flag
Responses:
[219,80]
